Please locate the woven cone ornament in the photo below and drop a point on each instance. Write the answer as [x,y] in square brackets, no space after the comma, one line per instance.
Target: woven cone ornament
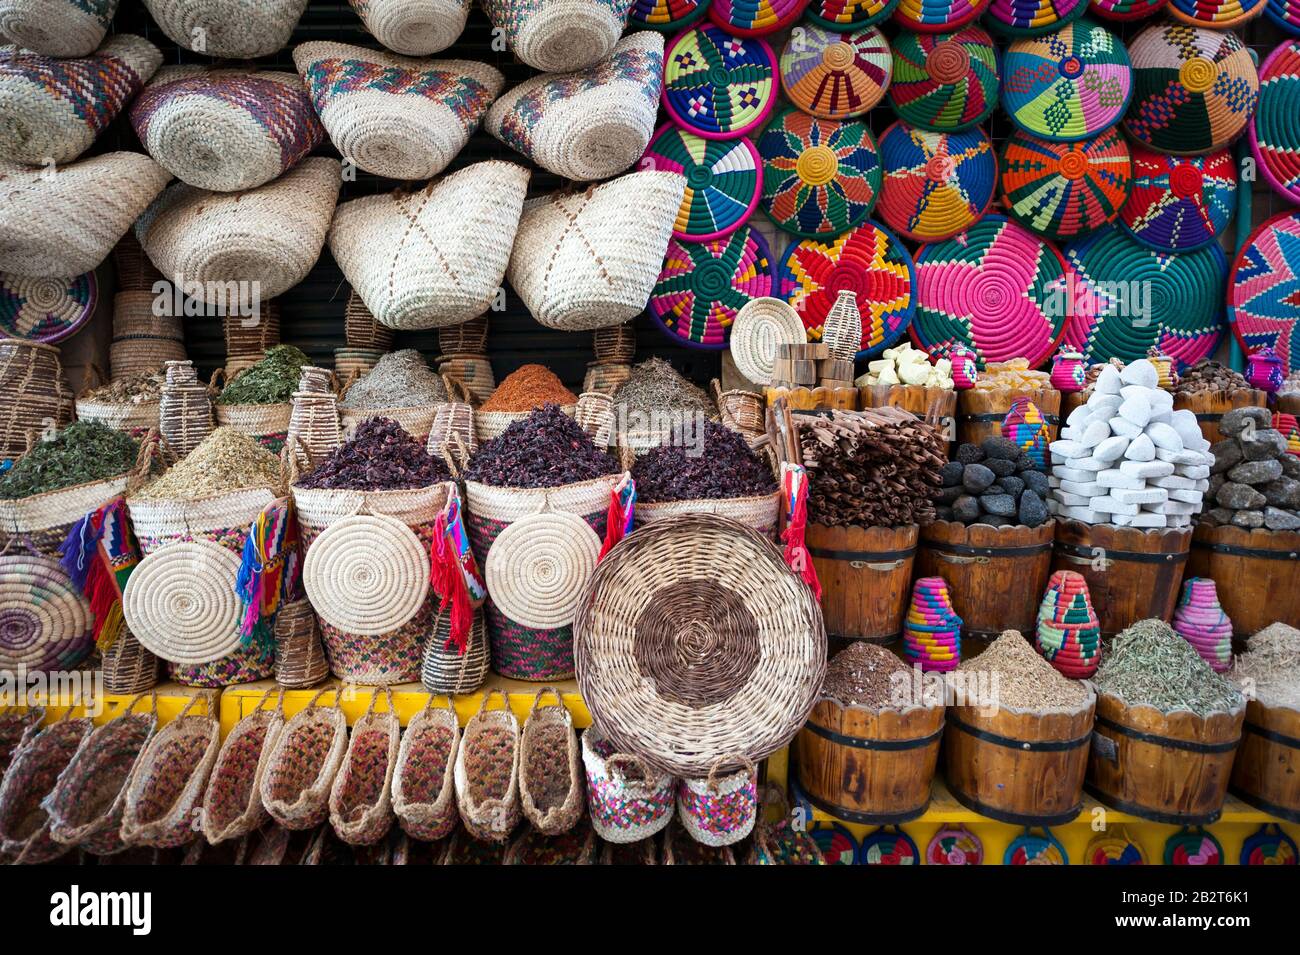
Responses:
[413,27]
[1200,620]
[588,125]
[932,629]
[234,29]
[842,329]
[62,28]
[395,116]
[54,109]
[1026,427]
[556,36]
[1068,633]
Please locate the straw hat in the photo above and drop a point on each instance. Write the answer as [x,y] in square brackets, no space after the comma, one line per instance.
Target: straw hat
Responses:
[396,116]
[559,35]
[56,27]
[237,29]
[414,27]
[54,109]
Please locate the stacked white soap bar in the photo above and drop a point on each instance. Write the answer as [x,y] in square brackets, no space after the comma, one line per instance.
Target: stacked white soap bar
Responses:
[905,365]
[1127,457]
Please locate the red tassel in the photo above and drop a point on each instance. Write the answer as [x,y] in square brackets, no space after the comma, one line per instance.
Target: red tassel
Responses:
[613,525]
[101,593]
[796,552]
[448,583]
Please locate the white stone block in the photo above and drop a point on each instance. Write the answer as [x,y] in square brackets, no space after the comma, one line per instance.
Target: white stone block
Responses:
[1194,471]
[1136,409]
[1180,457]
[1148,495]
[1163,436]
[1124,427]
[1072,474]
[1093,435]
[1187,496]
[1069,449]
[1146,469]
[1109,381]
[1173,482]
[1140,449]
[1114,478]
[1112,448]
[1084,489]
[1109,505]
[1140,372]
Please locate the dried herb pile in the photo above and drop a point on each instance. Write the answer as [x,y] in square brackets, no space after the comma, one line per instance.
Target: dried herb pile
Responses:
[226,460]
[719,466]
[1024,680]
[1208,375]
[401,379]
[82,452]
[655,385]
[137,389]
[271,381]
[527,388]
[866,674]
[1151,664]
[381,456]
[1270,668]
[546,449]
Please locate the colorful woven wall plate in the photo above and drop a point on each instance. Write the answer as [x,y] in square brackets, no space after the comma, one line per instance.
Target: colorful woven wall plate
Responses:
[1180,203]
[888,846]
[46,310]
[1127,298]
[1061,190]
[954,845]
[1264,289]
[1193,847]
[872,262]
[1284,13]
[1033,17]
[1269,846]
[749,18]
[1031,848]
[936,184]
[836,843]
[1125,10]
[723,180]
[1275,126]
[1219,14]
[937,16]
[836,75]
[999,290]
[821,177]
[1114,848]
[717,85]
[704,284]
[944,80]
[1068,85]
[845,15]
[666,16]
[1193,89]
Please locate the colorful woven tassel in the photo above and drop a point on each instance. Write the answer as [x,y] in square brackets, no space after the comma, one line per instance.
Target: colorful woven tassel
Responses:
[1200,621]
[618,519]
[99,554]
[259,582]
[794,487]
[1068,633]
[932,630]
[454,572]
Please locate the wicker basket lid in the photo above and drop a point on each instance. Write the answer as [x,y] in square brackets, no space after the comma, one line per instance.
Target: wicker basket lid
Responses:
[703,285]
[235,29]
[1180,203]
[717,85]
[836,75]
[844,16]
[944,80]
[46,310]
[1217,14]
[666,16]
[538,567]
[936,185]
[414,29]
[1275,125]
[1264,309]
[937,16]
[1033,17]
[724,179]
[749,18]
[1061,190]
[45,623]
[760,328]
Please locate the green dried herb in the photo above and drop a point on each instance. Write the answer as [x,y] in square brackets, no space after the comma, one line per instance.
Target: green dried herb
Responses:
[271,381]
[82,452]
[1151,664]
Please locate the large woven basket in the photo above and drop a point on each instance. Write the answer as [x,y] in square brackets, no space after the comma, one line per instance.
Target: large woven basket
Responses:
[395,116]
[232,803]
[558,35]
[550,768]
[416,421]
[627,800]
[304,760]
[33,394]
[237,29]
[268,425]
[42,521]
[45,622]
[413,29]
[184,409]
[126,666]
[136,418]
[487,771]
[142,341]
[17,726]
[433,257]
[443,669]
[300,659]
[492,424]
[246,665]
[46,310]
[361,809]
[59,28]
[31,776]
[423,787]
[588,259]
[758,511]
[251,335]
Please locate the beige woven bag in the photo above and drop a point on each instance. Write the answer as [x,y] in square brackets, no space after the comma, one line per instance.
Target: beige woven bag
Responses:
[487,771]
[437,256]
[423,792]
[361,807]
[235,29]
[414,27]
[395,116]
[550,767]
[56,27]
[304,760]
[232,804]
[589,259]
[559,35]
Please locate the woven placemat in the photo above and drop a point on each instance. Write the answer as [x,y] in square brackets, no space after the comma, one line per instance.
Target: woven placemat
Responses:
[1180,203]
[180,602]
[723,180]
[760,328]
[937,184]
[1061,190]
[1264,308]
[1217,14]
[537,569]
[750,18]
[836,75]
[944,80]
[1275,126]
[704,285]
[1125,10]
[937,16]
[1032,17]
[666,16]
[1285,14]
[845,15]
[45,623]
[718,85]
[46,310]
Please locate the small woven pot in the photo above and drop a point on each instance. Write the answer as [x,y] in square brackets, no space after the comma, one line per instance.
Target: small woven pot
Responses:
[127,667]
[558,35]
[443,670]
[46,310]
[719,810]
[615,344]
[300,660]
[361,809]
[423,786]
[30,777]
[314,427]
[170,778]
[550,773]
[304,759]
[63,28]
[184,409]
[413,29]
[360,328]
[251,335]
[236,29]
[595,415]
[487,772]
[626,799]
[758,511]
[268,425]
[34,395]
[142,342]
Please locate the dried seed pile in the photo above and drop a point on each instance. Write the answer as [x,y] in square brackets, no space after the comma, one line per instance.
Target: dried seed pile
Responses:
[529,387]
[995,483]
[82,452]
[655,385]
[401,379]
[1024,680]
[381,456]
[1208,375]
[1269,670]
[226,460]
[271,381]
[719,466]
[866,674]
[137,389]
[546,449]
[1151,664]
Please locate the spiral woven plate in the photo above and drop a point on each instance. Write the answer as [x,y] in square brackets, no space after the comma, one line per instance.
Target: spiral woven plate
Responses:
[1030,847]
[820,176]
[937,16]
[666,15]
[723,180]
[367,574]
[1180,203]
[888,847]
[537,569]
[1193,847]
[944,80]
[703,285]
[750,18]
[1218,14]
[999,290]
[46,310]
[1264,289]
[717,85]
[1128,298]
[1193,89]
[1275,126]
[1285,14]
[1063,189]
[870,261]
[836,75]
[954,845]
[845,15]
[695,645]
[1033,17]
[45,624]
[1068,85]
[760,328]
[180,602]
[936,184]
[1125,10]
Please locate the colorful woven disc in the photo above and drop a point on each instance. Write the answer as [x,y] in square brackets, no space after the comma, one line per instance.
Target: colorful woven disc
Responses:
[820,176]
[1285,13]
[888,846]
[1193,847]
[1219,14]
[723,180]
[666,15]
[1128,298]
[937,16]
[1193,89]
[936,184]
[1269,845]
[1029,847]
[835,75]
[1264,289]
[1068,85]
[718,85]
[1123,10]
[750,18]
[944,80]
[1062,189]
[999,290]
[46,310]
[1275,127]
[1033,17]
[1180,203]
[870,261]
[704,284]
[836,843]
[845,15]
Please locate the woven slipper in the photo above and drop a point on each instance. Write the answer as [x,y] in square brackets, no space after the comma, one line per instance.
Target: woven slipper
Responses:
[716,85]
[1178,204]
[936,184]
[1285,14]
[64,28]
[666,16]
[1275,126]
[750,18]
[704,285]
[724,180]
[999,290]
[414,29]
[1216,14]
[1125,10]
[760,328]
[1032,17]
[1262,305]
[871,262]
[1194,89]
[1063,189]
[937,16]
[944,81]
[843,16]
[46,310]
[836,75]
[1181,314]
[1069,85]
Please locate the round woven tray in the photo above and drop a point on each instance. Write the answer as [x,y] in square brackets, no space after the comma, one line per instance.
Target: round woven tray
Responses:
[845,15]
[180,602]
[1180,203]
[1261,291]
[836,75]
[1033,17]
[937,16]
[936,184]
[946,80]
[537,568]
[759,329]
[1285,14]
[46,310]
[755,17]
[1217,14]
[717,85]
[45,623]
[666,16]
[1061,190]
[1275,126]
[724,179]
[703,285]
[1125,10]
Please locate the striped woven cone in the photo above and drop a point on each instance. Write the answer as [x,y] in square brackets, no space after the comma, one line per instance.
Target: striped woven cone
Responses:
[1285,14]
[1123,10]
[936,185]
[1199,619]
[1061,190]
[46,310]
[723,180]
[413,27]
[666,16]
[944,80]
[843,16]
[67,224]
[235,29]
[1264,312]
[1033,17]
[395,116]
[704,285]
[932,629]
[1275,126]
[62,28]
[53,109]
[755,17]
[588,125]
[556,36]
[937,16]
[1218,14]
[717,85]
[836,75]
[1180,203]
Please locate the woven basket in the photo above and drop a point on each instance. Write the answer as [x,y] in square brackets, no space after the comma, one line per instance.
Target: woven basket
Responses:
[31,776]
[627,800]
[1062,190]
[45,622]
[433,257]
[604,378]
[595,415]
[34,396]
[353,363]
[413,29]
[42,521]
[719,810]
[492,424]
[46,310]
[142,343]
[299,657]
[135,273]
[17,726]
[361,809]
[1180,204]
[760,328]
[360,328]
[465,338]
[589,259]
[946,81]
[397,117]
[303,761]
[452,436]
[550,772]
[251,334]
[576,846]
[416,421]
[135,418]
[760,511]
[184,409]
[232,804]
[268,425]
[744,412]
[423,790]
[936,185]
[63,28]
[680,850]
[443,670]
[237,29]
[614,344]
[833,74]
[588,125]
[558,35]
[474,372]
[1274,132]
[127,667]
[487,772]
[314,428]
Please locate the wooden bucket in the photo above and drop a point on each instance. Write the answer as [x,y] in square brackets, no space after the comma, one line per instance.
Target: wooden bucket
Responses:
[869,766]
[1210,407]
[1166,767]
[1018,767]
[814,399]
[1266,772]
[1255,571]
[935,404]
[1132,574]
[996,575]
[866,576]
[980,411]
[1070,400]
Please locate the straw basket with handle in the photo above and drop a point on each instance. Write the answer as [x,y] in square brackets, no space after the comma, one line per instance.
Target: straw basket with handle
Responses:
[361,809]
[444,669]
[304,759]
[721,808]
[627,800]
[136,418]
[487,772]
[550,767]
[24,823]
[423,789]
[267,424]
[232,803]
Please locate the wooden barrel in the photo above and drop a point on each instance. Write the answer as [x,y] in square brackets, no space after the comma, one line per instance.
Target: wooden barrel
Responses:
[866,576]
[1166,767]
[1266,772]
[814,399]
[1255,571]
[869,766]
[939,404]
[996,575]
[1132,574]
[1210,406]
[980,411]
[1022,768]
[1071,400]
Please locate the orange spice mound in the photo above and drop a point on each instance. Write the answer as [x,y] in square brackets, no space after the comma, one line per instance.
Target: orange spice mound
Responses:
[529,387]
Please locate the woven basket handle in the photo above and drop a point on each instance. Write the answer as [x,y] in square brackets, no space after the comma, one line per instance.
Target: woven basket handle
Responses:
[151,453]
[457,390]
[354,375]
[618,762]
[337,690]
[289,472]
[279,703]
[505,700]
[130,704]
[537,700]
[374,698]
[745,762]
[217,382]
[446,701]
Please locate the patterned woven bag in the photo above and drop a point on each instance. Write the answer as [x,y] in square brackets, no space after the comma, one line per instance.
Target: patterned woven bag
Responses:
[24,823]
[720,809]
[17,726]
[576,846]
[444,669]
[550,771]
[626,799]
[361,809]
[232,804]
[56,27]
[558,35]
[424,798]
[305,758]
[413,27]
[45,621]
[487,772]
[236,29]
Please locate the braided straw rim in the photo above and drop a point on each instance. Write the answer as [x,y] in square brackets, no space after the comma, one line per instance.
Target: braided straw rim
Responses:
[762,325]
[180,602]
[537,568]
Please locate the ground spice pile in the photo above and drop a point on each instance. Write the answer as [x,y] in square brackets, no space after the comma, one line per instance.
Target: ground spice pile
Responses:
[226,460]
[546,449]
[719,466]
[866,674]
[1151,664]
[380,457]
[271,381]
[137,389]
[401,379]
[529,387]
[1269,670]
[1025,681]
[82,452]
[655,385]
